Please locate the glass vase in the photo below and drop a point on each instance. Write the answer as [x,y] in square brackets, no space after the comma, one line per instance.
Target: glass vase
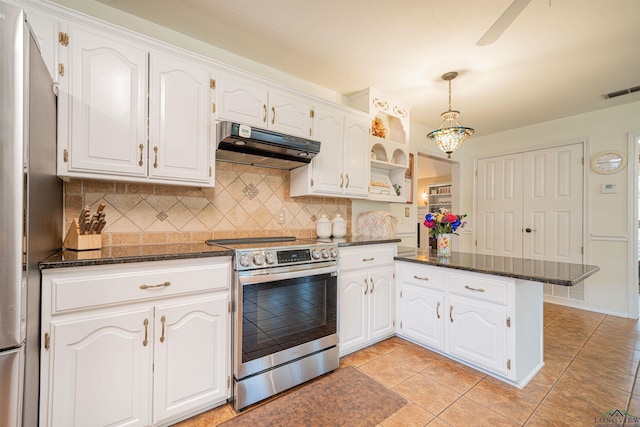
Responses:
[443,242]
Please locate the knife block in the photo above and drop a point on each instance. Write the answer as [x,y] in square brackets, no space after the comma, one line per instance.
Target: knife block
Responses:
[81,242]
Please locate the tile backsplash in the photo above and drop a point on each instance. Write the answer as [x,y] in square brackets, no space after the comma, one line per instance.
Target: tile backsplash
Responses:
[247,201]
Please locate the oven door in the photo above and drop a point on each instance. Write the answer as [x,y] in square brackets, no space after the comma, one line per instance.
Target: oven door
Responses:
[283,314]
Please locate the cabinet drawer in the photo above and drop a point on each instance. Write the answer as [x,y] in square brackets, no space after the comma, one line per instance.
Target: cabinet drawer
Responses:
[360,257]
[107,285]
[476,287]
[426,277]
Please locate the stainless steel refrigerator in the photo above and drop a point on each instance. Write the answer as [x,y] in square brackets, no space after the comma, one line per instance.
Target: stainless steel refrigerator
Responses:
[30,211]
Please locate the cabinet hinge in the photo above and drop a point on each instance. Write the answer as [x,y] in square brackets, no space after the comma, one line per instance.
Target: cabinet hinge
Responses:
[311,114]
[228,381]
[311,182]
[212,83]
[508,322]
[47,341]
[508,363]
[63,38]
[229,307]
[61,69]
[213,107]
[65,155]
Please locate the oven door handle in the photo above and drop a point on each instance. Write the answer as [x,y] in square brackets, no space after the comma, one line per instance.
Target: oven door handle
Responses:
[272,275]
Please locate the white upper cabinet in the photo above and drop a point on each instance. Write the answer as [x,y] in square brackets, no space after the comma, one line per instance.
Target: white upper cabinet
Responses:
[46,33]
[106,130]
[342,166]
[250,102]
[179,99]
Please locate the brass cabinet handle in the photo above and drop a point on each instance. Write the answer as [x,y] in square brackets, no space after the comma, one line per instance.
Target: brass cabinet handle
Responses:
[451,313]
[341,180]
[438,310]
[373,285]
[140,163]
[162,319]
[474,289]
[367,259]
[426,279]
[347,181]
[155,162]
[366,285]
[146,332]
[264,113]
[159,285]
[273,115]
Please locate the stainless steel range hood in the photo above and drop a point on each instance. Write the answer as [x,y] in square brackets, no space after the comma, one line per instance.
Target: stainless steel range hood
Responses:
[244,144]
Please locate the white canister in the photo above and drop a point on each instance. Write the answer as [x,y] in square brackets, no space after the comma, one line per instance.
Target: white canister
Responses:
[339,226]
[323,227]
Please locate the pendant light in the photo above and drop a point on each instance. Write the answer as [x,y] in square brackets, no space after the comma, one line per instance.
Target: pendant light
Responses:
[451,133]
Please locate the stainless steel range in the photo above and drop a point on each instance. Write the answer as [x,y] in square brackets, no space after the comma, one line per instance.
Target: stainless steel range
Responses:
[284,314]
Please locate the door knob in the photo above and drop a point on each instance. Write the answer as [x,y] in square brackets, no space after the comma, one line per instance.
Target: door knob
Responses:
[528,230]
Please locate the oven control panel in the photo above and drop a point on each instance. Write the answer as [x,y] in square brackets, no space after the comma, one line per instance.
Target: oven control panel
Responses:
[264,258]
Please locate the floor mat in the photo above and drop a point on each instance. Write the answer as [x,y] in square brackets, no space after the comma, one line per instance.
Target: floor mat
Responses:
[345,397]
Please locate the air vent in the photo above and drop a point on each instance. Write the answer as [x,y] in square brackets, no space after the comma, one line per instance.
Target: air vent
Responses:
[622,92]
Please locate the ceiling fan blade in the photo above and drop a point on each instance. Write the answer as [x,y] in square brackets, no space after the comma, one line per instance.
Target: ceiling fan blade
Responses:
[503,22]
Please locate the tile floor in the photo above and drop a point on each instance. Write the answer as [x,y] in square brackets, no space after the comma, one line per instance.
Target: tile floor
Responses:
[591,367]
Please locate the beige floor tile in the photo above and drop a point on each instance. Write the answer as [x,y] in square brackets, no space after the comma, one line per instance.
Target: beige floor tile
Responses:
[430,394]
[415,356]
[585,372]
[593,390]
[388,371]
[452,374]
[634,405]
[359,357]
[544,416]
[465,412]
[437,422]
[411,415]
[503,400]
[606,360]
[568,402]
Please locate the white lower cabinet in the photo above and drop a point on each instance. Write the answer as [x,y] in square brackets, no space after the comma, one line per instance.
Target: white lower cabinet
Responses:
[488,322]
[366,296]
[136,344]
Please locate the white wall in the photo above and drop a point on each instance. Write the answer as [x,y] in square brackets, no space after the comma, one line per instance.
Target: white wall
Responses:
[607,242]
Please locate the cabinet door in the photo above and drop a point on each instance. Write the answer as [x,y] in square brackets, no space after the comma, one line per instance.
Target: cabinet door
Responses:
[108,87]
[381,302]
[327,165]
[356,156]
[353,311]
[290,115]
[421,314]
[179,119]
[101,370]
[477,332]
[45,30]
[242,100]
[191,346]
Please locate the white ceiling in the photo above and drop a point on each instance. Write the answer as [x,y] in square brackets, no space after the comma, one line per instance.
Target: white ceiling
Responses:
[556,59]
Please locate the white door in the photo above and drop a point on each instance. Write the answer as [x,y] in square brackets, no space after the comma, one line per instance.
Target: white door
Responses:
[552,197]
[190,355]
[381,312]
[499,222]
[101,372]
[327,165]
[530,204]
[353,311]
[179,119]
[290,115]
[356,156]
[108,89]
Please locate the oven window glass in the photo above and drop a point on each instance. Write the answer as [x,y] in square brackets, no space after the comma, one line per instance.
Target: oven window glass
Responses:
[283,314]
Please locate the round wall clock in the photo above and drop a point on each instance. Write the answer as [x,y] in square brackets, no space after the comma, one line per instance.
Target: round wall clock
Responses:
[607,162]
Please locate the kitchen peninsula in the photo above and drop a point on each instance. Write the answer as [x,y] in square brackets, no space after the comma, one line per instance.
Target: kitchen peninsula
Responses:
[482,310]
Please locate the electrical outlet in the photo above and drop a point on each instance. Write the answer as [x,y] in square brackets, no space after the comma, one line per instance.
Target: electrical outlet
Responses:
[281,217]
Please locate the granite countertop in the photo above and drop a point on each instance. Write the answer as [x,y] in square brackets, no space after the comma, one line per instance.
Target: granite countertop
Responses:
[132,253]
[142,253]
[556,273]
